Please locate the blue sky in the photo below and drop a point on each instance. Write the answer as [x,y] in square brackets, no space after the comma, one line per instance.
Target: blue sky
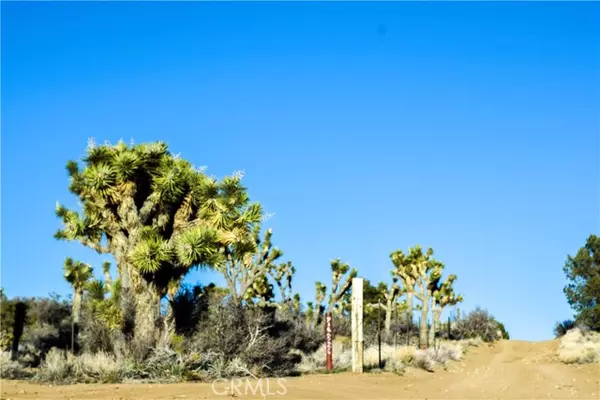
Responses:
[365,128]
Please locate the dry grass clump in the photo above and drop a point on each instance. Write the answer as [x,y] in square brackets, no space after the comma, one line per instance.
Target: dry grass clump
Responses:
[10,369]
[62,367]
[393,359]
[579,347]
[163,365]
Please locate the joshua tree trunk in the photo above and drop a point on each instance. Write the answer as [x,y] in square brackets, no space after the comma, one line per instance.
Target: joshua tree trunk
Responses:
[77,296]
[388,317]
[147,319]
[409,309]
[435,322]
[127,299]
[423,328]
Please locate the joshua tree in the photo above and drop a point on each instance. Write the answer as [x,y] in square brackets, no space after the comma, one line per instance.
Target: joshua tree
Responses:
[428,272]
[315,310]
[77,274]
[283,275]
[260,292]
[102,308]
[296,304]
[390,297]
[339,287]
[405,269]
[443,296]
[247,262]
[158,216]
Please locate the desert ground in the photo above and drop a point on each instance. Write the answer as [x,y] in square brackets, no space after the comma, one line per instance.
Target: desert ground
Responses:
[509,369]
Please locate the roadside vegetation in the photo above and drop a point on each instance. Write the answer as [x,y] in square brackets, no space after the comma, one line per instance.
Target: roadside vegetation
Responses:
[157,217]
[580,337]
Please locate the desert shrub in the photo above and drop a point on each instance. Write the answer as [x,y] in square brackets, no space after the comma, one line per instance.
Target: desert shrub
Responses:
[165,365]
[10,369]
[47,325]
[55,367]
[422,359]
[95,336]
[502,331]
[60,366]
[99,367]
[190,305]
[471,342]
[561,328]
[579,346]
[479,323]
[250,334]
[296,332]
[315,361]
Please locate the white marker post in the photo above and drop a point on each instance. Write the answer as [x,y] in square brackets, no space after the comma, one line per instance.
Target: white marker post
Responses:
[357,325]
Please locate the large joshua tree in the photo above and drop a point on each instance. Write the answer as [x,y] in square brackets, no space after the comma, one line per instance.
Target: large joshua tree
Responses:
[158,216]
[420,273]
[77,274]
[443,296]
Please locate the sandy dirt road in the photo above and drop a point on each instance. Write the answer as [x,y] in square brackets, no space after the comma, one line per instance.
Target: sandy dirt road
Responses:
[507,370]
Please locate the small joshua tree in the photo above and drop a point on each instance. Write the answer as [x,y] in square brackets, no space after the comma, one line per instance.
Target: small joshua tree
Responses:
[78,274]
[443,296]
[389,305]
[283,275]
[315,310]
[340,287]
[405,269]
[248,261]
[261,292]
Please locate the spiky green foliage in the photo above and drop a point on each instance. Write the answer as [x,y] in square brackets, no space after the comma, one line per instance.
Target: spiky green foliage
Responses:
[248,261]
[260,292]
[157,215]
[78,274]
[340,286]
[420,273]
[282,275]
[103,300]
[583,288]
[443,296]
[296,305]
[405,269]
[341,280]
[315,310]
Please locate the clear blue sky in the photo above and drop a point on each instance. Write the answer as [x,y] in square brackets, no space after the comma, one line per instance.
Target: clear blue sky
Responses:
[365,128]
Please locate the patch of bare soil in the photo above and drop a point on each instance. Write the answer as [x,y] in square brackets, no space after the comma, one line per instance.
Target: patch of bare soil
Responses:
[506,370]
